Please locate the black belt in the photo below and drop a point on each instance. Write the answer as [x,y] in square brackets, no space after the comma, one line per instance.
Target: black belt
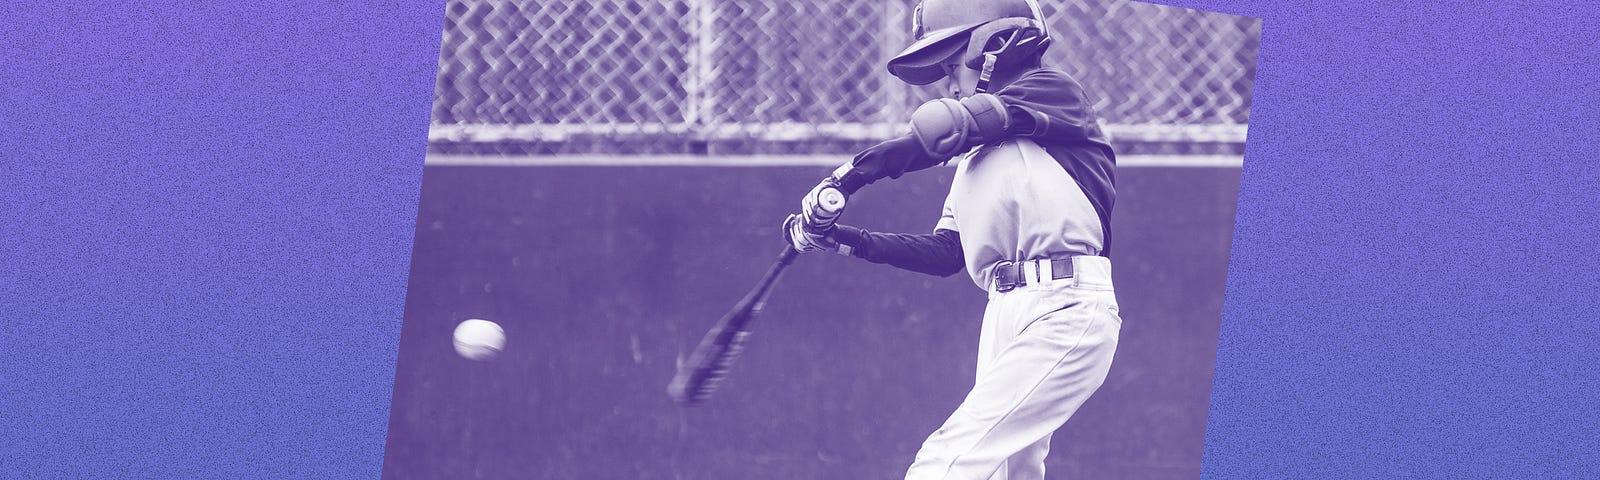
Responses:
[1009,275]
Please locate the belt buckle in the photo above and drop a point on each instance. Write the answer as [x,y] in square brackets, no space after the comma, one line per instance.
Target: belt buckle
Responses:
[1000,285]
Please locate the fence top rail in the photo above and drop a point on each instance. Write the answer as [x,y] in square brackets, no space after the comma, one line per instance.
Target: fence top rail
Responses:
[490,133]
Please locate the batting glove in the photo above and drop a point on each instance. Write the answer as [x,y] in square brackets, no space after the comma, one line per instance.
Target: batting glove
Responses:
[807,239]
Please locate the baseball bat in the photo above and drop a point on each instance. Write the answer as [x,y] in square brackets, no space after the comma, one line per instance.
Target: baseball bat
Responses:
[711,360]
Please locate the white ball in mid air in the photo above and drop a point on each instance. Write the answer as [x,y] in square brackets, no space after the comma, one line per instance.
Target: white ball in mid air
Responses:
[479,339]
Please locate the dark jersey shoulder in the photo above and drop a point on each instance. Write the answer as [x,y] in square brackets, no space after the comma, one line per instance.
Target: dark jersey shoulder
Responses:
[1058,107]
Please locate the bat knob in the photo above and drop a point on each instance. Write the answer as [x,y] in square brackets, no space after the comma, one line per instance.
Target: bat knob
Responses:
[830,200]
[824,207]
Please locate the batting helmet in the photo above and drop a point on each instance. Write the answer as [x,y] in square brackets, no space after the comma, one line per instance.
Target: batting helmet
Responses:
[997,34]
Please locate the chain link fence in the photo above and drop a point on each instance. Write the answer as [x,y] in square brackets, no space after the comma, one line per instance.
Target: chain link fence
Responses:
[765,76]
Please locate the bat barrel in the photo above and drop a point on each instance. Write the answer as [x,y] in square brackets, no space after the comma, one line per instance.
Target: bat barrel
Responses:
[711,360]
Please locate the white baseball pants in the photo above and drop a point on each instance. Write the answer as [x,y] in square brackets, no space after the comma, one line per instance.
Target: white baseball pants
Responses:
[1045,348]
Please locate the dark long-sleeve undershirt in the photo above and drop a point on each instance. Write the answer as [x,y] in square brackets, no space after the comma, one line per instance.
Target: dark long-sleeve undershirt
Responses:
[938,253]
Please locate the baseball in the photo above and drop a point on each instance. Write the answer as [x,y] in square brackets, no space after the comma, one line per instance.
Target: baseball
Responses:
[479,339]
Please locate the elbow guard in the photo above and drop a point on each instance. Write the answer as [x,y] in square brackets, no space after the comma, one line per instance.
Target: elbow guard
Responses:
[947,127]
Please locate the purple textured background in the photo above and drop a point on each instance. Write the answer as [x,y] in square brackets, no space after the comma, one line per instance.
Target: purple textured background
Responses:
[1416,261]
[604,277]
[205,219]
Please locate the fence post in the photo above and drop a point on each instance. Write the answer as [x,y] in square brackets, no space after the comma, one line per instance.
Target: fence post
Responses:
[705,72]
[896,35]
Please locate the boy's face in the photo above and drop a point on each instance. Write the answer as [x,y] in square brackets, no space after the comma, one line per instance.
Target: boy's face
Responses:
[961,81]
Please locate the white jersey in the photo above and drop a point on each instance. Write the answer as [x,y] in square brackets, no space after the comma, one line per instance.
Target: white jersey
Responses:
[1013,201]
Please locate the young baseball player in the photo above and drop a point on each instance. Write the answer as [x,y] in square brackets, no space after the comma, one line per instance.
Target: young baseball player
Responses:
[1027,216]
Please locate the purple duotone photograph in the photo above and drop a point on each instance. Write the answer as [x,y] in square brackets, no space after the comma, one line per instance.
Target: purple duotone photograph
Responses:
[940,239]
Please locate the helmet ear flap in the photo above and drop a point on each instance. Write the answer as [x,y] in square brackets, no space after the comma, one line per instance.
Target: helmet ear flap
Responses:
[1008,41]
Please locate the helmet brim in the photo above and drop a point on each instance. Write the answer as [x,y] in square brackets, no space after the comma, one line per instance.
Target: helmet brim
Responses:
[919,64]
